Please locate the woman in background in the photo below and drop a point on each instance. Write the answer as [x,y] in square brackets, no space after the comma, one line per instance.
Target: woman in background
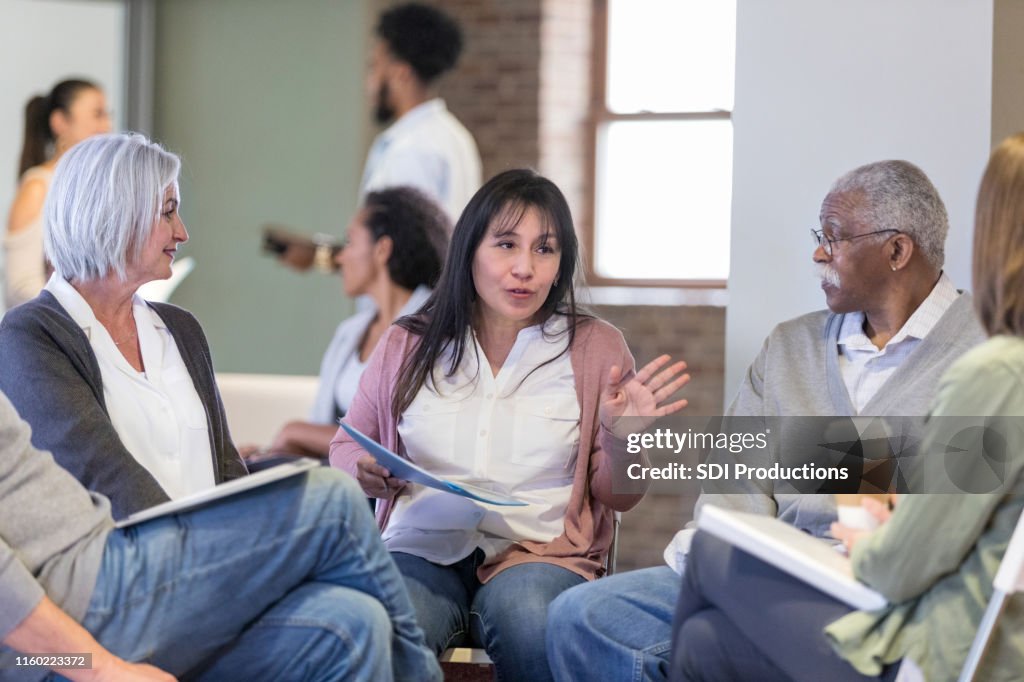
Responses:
[73,111]
[394,250]
[935,557]
[500,381]
[119,389]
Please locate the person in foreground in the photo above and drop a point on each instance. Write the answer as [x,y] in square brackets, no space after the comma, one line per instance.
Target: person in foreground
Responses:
[120,390]
[393,254]
[72,111]
[286,582]
[500,381]
[894,323]
[934,558]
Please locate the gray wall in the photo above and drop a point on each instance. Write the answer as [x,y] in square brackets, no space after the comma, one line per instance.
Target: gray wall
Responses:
[822,87]
[264,101]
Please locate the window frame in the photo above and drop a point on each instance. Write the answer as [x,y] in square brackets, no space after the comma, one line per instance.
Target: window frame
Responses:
[599,117]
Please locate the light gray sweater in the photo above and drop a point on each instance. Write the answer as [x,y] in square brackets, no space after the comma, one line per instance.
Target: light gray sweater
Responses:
[797,374]
[52,530]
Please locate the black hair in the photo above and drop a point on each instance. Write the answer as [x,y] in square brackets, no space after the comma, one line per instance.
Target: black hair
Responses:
[418,229]
[449,312]
[424,37]
[38,136]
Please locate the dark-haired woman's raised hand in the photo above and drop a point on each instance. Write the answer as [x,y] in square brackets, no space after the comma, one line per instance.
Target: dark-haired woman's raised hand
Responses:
[633,405]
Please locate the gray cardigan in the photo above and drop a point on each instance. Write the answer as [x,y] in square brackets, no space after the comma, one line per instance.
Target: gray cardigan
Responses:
[797,374]
[50,374]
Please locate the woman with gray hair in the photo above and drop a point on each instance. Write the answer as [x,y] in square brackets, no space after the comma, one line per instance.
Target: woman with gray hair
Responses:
[119,389]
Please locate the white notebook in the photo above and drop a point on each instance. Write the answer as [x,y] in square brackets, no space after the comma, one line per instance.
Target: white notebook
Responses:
[233,487]
[793,551]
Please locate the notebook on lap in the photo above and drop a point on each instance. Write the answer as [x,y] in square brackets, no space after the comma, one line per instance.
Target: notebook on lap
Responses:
[221,491]
[793,551]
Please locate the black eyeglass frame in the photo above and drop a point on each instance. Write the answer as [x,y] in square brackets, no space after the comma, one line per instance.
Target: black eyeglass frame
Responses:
[824,241]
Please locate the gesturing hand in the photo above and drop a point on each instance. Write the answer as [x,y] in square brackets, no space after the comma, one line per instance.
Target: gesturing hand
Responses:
[639,397]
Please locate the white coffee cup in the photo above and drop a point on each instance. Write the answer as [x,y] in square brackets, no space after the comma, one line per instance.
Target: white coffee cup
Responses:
[853,515]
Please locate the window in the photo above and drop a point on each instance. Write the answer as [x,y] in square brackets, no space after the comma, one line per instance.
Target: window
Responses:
[663,140]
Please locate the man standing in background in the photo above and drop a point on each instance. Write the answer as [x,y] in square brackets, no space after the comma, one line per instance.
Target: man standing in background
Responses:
[425,146]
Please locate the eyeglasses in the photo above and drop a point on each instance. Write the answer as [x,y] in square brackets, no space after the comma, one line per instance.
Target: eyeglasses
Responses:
[824,241]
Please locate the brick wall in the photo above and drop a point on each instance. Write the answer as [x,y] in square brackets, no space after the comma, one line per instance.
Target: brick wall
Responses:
[565,78]
[697,335]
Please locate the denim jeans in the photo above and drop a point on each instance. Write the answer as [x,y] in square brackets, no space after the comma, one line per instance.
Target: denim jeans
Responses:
[620,625]
[739,618]
[506,616]
[287,582]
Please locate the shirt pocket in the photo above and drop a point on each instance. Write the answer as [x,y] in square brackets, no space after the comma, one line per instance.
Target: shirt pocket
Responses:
[546,432]
[429,430]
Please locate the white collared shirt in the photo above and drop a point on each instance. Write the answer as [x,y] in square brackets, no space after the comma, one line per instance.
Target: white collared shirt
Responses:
[430,150]
[516,433]
[864,367]
[157,413]
[347,384]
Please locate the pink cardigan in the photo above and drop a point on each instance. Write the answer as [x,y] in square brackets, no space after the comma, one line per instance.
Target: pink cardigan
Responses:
[589,517]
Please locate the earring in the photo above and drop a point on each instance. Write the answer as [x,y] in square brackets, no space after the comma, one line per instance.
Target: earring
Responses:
[894,268]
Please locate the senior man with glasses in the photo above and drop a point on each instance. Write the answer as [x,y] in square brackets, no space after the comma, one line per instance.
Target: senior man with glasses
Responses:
[894,323]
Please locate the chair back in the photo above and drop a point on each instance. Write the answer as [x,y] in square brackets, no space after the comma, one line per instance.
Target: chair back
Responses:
[1010,577]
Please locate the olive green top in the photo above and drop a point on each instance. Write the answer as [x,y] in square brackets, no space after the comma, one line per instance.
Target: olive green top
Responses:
[935,559]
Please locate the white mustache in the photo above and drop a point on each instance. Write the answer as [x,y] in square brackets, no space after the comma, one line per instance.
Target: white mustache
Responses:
[826,273]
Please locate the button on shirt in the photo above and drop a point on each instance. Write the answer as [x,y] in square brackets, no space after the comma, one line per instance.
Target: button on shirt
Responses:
[516,433]
[430,150]
[157,413]
[864,367]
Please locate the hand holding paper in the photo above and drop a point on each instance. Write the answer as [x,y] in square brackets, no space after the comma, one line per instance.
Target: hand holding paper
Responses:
[401,470]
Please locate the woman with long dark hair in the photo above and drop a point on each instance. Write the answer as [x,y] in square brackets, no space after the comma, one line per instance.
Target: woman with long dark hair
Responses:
[73,110]
[501,381]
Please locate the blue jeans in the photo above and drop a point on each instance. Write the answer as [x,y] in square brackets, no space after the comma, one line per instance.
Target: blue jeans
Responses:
[507,616]
[739,618]
[287,582]
[620,625]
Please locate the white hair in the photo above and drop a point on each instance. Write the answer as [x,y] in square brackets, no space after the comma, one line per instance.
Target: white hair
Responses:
[899,196]
[105,196]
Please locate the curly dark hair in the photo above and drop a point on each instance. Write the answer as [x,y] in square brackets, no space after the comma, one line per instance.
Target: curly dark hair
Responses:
[425,38]
[418,229]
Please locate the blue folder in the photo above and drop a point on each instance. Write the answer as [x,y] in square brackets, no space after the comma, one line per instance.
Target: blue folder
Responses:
[406,470]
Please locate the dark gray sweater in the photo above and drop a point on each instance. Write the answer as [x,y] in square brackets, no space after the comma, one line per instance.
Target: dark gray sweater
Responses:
[50,374]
